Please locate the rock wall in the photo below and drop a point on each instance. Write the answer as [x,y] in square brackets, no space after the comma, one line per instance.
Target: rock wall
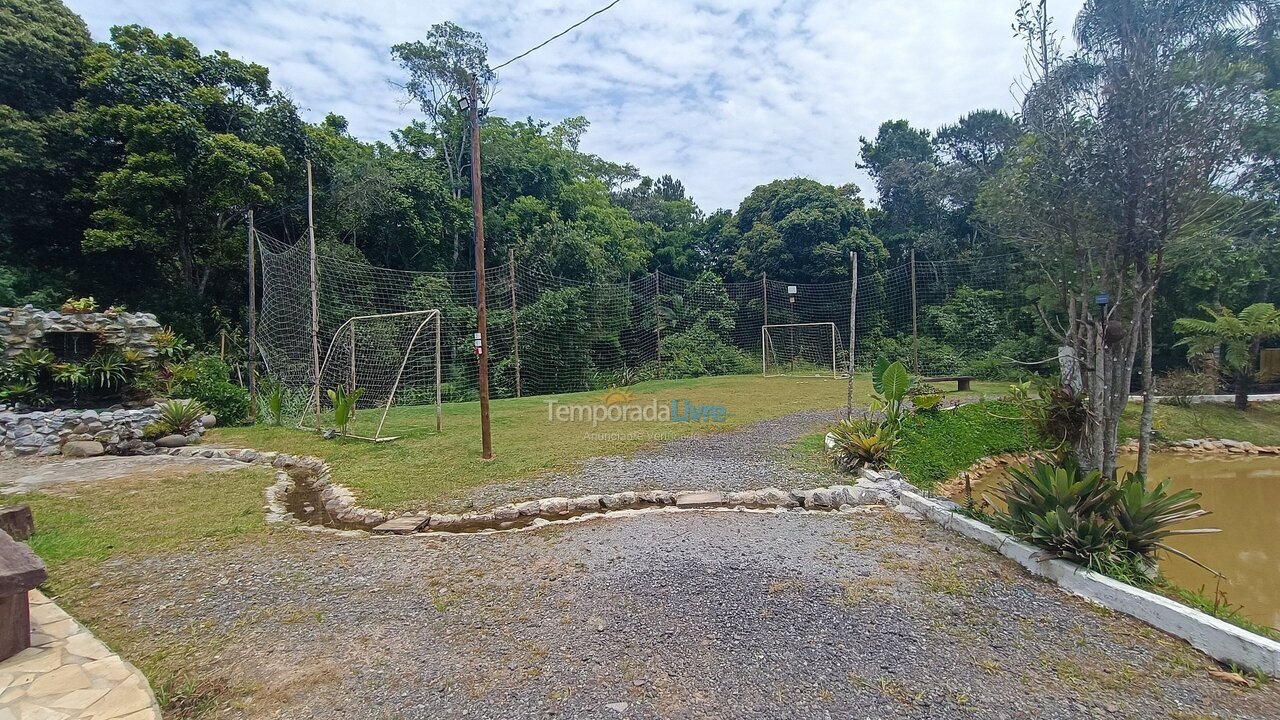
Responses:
[77,433]
[25,327]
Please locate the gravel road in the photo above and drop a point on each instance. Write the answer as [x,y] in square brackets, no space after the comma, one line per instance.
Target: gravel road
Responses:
[745,459]
[664,615]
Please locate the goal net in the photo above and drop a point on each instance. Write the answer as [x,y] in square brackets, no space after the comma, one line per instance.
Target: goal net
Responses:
[811,349]
[392,360]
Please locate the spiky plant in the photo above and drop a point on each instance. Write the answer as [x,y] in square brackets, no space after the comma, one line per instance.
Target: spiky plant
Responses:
[1046,487]
[181,416]
[1145,516]
[862,441]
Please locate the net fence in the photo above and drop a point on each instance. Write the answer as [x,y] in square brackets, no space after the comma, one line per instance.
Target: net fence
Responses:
[550,334]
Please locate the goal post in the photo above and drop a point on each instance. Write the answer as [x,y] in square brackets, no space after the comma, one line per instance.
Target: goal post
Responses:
[393,359]
[799,349]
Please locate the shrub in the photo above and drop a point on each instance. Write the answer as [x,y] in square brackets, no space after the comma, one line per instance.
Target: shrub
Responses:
[207,378]
[862,441]
[180,416]
[1178,386]
[344,405]
[1108,526]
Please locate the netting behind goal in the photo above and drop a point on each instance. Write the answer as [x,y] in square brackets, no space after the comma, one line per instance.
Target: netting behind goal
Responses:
[550,334]
[390,360]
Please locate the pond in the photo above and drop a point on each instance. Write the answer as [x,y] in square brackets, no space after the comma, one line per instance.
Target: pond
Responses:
[1243,495]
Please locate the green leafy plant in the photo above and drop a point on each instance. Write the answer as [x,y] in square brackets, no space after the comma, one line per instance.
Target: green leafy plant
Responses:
[115,311]
[274,397]
[205,377]
[1113,527]
[23,391]
[32,364]
[1239,337]
[107,370]
[181,416]
[892,385]
[1054,409]
[1146,515]
[73,375]
[79,305]
[861,441]
[170,345]
[344,406]
[157,429]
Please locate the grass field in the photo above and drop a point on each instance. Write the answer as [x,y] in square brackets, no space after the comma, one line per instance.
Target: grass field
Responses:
[422,466]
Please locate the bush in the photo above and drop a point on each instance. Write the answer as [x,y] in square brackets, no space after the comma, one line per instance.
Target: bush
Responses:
[207,379]
[698,352]
[1105,525]
[1177,386]
[862,441]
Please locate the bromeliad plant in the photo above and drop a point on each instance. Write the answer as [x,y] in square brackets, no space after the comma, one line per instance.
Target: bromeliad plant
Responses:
[861,441]
[344,406]
[180,416]
[1093,520]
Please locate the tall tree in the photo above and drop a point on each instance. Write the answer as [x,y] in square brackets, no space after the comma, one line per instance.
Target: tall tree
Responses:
[440,69]
[1132,145]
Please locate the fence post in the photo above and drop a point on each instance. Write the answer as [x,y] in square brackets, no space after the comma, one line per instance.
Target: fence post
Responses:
[657,310]
[253,324]
[764,283]
[853,326]
[915,331]
[515,329]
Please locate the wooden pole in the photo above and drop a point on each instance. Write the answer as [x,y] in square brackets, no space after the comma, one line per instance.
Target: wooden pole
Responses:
[657,310]
[315,297]
[764,283]
[915,331]
[853,326]
[515,328]
[439,377]
[253,323]
[477,207]
[222,345]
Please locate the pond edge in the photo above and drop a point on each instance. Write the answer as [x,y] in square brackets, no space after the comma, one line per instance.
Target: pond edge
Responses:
[1216,638]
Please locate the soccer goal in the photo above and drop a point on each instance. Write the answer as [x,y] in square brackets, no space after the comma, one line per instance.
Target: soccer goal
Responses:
[392,359]
[799,349]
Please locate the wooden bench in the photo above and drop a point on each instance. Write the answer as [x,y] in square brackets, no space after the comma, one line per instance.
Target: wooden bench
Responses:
[962,381]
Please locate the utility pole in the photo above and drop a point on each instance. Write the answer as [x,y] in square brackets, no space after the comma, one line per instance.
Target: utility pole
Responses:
[315,298]
[253,323]
[477,206]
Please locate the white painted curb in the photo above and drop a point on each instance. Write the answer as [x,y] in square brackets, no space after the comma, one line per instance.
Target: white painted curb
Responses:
[1216,638]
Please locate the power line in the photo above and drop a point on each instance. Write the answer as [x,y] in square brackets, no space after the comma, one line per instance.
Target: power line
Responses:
[557,36]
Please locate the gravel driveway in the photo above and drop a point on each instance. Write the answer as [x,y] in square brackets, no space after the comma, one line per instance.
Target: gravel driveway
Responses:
[748,458]
[664,615]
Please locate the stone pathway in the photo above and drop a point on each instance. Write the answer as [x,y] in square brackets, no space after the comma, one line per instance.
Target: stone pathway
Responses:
[68,674]
[28,476]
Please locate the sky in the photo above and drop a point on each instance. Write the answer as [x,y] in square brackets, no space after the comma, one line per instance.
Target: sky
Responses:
[723,94]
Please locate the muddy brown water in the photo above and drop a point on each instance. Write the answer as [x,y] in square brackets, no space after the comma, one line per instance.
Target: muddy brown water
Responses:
[1242,494]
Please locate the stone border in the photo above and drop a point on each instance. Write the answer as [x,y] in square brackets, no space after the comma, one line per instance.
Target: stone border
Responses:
[1216,638]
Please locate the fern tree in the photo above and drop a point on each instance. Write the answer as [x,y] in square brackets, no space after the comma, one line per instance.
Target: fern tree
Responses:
[1237,337]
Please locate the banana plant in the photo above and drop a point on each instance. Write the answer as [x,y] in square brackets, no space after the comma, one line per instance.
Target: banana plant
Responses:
[344,406]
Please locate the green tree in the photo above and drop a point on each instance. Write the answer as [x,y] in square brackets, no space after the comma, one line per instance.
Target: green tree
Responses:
[1239,338]
[802,230]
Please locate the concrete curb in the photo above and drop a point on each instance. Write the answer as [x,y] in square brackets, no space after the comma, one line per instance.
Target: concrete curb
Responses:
[1216,638]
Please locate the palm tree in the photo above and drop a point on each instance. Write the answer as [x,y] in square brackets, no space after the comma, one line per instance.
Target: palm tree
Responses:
[1240,338]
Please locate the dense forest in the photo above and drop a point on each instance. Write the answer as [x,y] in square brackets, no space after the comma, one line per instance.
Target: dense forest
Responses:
[129,167]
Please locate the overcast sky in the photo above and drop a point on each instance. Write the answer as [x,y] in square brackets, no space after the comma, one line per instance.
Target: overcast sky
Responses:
[723,94]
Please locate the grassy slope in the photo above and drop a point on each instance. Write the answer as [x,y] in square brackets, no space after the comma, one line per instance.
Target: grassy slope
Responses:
[935,446]
[1260,425]
[422,465]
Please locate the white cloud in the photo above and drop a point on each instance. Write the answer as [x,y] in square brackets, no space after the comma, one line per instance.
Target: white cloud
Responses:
[724,94]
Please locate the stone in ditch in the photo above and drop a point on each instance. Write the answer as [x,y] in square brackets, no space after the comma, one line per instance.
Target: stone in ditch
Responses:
[699,498]
[618,501]
[553,506]
[658,497]
[776,497]
[506,512]
[83,449]
[529,509]
[402,525]
[587,503]
[819,498]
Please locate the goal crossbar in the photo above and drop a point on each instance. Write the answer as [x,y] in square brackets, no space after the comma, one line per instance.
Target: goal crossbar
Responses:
[765,343]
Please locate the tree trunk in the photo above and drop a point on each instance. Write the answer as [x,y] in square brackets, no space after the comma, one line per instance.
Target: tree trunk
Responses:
[1148,395]
[1242,392]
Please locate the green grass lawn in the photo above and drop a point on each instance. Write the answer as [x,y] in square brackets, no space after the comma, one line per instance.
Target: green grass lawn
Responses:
[422,466]
[1260,425]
